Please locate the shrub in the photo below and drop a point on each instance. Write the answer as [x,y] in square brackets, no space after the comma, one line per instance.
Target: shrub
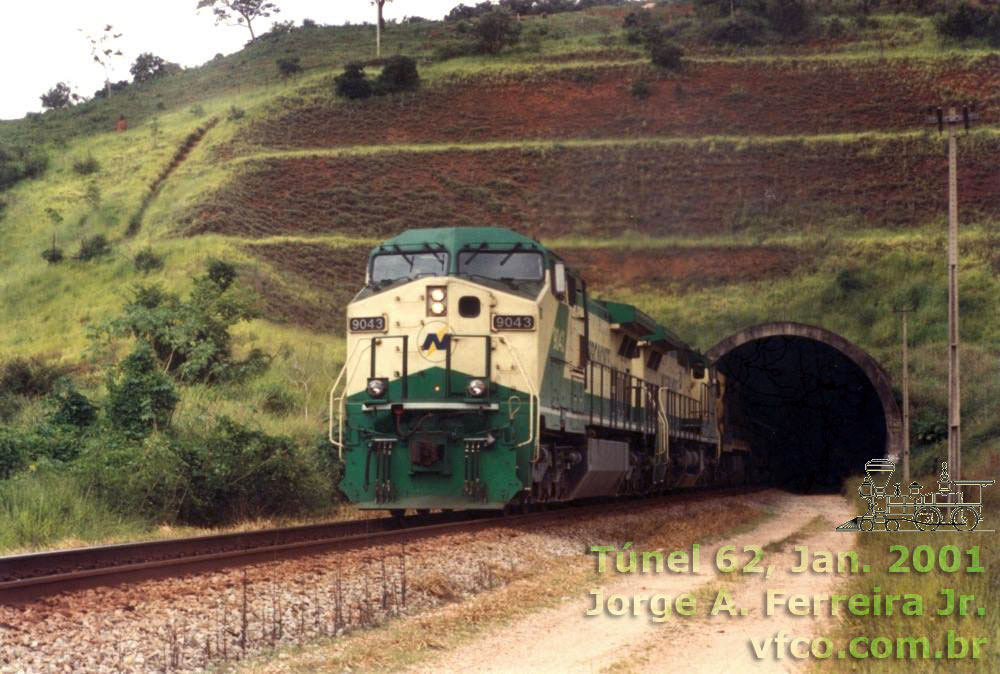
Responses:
[53,255]
[86,165]
[146,261]
[280,28]
[496,29]
[135,477]
[641,90]
[308,23]
[11,456]
[642,27]
[353,83]
[29,377]
[197,110]
[69,407]
[789,17]
[141,399]
[93,247]
[59,96]
[277,402]
[289,66]
[10,405]
[116,87]
[233,472]
[20,163]
[666,54]
[742,29]
[966,20]
[235,114]
[398,74]
[221,274]
[836,28]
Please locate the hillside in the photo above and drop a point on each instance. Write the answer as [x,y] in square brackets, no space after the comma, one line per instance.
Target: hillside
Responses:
[791,181]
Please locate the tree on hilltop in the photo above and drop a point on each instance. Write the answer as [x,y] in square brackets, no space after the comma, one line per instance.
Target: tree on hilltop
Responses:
[59,96]
[104,52]
[243,11]
[149,65]
[379,25]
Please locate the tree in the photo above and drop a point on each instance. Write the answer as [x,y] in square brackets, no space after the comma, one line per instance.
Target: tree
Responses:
[103,51]
[353,83]
[379,26]
[59,96]
[244,11]
[141,399]
[497,29]
[191,338]
[147,66]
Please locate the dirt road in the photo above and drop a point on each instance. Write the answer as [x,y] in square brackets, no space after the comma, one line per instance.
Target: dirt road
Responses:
[565,639]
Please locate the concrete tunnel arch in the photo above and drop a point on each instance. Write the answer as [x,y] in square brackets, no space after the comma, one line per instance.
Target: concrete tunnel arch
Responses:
[876,374]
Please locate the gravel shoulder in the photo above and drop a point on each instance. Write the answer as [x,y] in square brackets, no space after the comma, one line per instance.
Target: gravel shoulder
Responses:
[564,639]
[331,603]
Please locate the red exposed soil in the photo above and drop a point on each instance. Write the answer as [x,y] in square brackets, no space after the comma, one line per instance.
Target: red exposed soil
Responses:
[335,274]
[740,98]
[685,266]
[653,189]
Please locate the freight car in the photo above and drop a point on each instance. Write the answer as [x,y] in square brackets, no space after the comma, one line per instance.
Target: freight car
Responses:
[481,373]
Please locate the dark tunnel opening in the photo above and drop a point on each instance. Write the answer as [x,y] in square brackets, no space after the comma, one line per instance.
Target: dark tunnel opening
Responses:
[810,414]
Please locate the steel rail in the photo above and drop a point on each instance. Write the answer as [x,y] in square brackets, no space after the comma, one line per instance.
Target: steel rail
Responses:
[26,578]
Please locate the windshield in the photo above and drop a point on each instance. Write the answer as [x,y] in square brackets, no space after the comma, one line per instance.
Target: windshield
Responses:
[391,267]
[502,265]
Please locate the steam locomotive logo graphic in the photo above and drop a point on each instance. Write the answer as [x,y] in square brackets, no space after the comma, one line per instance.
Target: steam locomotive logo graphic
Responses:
[956,503]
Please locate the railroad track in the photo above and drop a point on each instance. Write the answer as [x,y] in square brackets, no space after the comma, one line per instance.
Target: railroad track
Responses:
[25,578]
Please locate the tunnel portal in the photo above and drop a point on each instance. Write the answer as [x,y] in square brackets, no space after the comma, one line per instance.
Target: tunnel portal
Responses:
[813,406]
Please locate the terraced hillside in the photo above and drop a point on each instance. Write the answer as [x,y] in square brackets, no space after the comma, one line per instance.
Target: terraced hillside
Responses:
[791,181]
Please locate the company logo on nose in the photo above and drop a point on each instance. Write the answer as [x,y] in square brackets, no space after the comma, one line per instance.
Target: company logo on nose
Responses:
[435,341]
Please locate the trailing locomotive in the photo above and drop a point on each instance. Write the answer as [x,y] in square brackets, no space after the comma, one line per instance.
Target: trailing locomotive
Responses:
[480,373]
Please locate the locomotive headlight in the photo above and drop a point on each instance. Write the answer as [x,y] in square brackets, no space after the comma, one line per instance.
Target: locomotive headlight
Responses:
[476,388]
[377,387]
[437,304]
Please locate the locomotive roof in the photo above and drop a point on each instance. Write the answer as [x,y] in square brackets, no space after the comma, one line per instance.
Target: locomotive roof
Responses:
[456,238]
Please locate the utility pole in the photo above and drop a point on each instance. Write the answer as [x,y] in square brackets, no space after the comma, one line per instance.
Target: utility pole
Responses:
[950,119]
[906,397]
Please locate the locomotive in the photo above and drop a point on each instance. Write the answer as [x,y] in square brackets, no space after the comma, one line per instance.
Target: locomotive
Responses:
[480,373]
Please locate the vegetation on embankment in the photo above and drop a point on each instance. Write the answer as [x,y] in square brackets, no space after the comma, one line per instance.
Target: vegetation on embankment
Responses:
[930,568]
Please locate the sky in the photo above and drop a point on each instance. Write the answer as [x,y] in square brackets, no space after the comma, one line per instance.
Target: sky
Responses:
[41,42]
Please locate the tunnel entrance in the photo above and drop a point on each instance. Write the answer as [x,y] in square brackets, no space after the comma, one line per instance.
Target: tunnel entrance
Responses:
[812,406]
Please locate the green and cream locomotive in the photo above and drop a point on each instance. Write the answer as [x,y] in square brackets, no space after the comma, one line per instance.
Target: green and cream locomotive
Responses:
[481,374]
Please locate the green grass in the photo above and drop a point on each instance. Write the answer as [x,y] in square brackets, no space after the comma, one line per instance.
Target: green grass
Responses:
[45,506]
[874,551]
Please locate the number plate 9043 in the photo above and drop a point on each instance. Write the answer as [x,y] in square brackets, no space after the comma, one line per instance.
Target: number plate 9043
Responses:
[502,322]
[367,324]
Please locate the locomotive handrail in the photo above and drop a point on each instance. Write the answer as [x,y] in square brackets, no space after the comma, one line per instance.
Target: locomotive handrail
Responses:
[339,442]
[531,403]
[662,391]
